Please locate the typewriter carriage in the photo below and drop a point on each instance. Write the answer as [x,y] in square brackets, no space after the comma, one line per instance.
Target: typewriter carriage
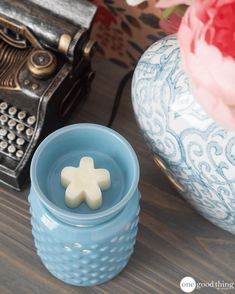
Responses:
[46,76]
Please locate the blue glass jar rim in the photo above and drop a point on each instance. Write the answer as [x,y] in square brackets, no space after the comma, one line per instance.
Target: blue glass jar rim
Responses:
[76,217]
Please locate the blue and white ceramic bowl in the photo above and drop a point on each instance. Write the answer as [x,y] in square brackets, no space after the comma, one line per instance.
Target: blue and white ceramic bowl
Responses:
[81,246]
[196,154]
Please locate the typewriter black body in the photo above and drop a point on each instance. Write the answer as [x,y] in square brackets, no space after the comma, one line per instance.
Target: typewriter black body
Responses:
[45,70]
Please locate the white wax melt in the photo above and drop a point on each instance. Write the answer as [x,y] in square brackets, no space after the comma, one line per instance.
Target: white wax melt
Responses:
[85,183]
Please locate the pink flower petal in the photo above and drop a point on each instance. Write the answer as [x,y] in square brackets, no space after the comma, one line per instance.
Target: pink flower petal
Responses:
[203,37]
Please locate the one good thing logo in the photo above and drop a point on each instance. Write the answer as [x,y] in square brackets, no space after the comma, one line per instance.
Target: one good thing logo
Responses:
[187,284]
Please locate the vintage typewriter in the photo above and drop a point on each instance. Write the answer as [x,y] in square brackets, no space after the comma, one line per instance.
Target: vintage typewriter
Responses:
[45,70]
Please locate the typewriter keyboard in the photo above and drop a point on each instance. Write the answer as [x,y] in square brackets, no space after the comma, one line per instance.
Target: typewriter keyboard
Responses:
[16,130]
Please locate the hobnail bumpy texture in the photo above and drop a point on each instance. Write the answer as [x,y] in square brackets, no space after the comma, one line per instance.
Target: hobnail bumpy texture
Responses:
[81,265]
[83,262]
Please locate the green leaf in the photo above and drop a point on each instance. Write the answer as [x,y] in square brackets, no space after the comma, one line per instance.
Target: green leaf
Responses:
[133,21]
[150,20]
[168,11]
[126,28]
[152,38]
[113,10]
[134,61]
[136,47]
[110,2]
[120,9]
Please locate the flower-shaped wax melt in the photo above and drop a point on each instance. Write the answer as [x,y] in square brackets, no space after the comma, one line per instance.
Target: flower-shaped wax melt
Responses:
[85,183]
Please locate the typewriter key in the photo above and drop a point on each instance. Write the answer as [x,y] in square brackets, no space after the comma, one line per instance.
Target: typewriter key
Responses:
[11,136]
[11,149]
[3,145]
[21,115]
[3,106]
[31,120]
[20,141]
[3,118]
[11,123]
[3,132]
[35,86]
[20,128]
[12,110]
[19,153]
[26,82]
[29,132]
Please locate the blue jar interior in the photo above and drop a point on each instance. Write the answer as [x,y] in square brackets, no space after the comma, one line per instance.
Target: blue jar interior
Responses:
[108,151]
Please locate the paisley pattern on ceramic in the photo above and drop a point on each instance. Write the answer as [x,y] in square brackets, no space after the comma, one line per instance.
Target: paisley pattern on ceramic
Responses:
[195,153]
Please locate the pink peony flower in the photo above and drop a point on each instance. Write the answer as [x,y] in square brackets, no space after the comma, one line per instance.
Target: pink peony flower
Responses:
[207,41]
[168,3]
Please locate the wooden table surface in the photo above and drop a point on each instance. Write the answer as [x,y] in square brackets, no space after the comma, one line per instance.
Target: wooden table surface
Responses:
[173,240]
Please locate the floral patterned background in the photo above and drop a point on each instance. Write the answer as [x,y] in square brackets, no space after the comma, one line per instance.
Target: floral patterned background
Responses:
[123,32]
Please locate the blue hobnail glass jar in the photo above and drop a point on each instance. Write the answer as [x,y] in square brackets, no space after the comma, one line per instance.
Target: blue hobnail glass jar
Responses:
[80,246]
